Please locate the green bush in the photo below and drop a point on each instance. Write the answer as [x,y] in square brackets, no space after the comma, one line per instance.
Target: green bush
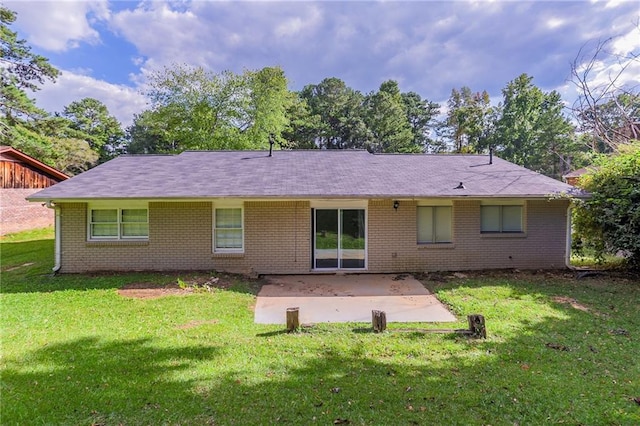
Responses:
[609,221]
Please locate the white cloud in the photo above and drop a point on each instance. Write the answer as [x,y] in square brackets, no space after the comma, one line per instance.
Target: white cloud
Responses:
[627,43]
[163,35]
[61,25]
[554,23]
[122,101]
[299,25]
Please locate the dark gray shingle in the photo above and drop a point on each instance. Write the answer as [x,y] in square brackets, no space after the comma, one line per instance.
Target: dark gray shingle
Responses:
[302,174]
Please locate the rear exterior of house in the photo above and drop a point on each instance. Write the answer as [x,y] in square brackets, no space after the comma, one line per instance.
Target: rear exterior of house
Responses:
[309,212]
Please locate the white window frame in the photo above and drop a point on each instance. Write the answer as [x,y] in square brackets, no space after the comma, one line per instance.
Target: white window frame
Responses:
[501,218]
[224,206]
[118,207]
[434,224]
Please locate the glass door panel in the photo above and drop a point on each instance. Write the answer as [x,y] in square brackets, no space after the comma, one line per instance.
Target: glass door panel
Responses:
[352,239]
[339,239]
[326,239]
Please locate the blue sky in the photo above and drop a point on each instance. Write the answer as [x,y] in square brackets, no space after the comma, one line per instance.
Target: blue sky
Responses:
[106,49]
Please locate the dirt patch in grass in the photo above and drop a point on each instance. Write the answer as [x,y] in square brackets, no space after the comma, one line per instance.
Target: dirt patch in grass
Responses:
[146,290]
[18,267]
[571,302]
[189,284]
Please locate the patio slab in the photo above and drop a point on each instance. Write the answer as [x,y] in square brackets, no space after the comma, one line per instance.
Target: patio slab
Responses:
[348,298]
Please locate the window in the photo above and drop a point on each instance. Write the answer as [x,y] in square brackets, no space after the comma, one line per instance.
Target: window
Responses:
[118,224]
[434,224]
[228,230]
[501,219]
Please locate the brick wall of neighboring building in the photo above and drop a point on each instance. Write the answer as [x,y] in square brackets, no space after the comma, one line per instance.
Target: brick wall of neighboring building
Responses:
[18,214]
[278,240]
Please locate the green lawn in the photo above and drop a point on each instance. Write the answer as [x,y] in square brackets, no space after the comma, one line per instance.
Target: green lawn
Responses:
[74,351]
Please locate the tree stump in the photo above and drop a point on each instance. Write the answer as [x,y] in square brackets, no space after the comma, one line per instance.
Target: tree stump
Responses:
[379,321]
[293,322]
[477,326]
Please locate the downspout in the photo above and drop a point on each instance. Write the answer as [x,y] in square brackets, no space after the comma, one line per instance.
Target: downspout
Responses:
[56,227]
[567,255]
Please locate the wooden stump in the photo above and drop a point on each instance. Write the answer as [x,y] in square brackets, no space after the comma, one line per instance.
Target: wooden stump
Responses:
[379,321]
[477,326]
[293,322]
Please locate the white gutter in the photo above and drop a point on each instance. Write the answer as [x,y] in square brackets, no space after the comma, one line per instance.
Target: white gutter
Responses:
[56,225]
[567,255]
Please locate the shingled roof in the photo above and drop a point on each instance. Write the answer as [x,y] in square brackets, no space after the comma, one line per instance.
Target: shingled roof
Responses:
[302,174]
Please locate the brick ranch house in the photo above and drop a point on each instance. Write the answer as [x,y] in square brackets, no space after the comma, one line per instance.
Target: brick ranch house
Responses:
[20,176]
[301,212]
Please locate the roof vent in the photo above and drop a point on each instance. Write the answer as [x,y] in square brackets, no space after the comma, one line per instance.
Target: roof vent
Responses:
[270,145]
[460,186]
[491,155]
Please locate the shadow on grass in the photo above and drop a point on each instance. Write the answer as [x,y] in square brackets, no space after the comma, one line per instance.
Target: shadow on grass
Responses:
[517,376]
[519,380]
[272,333]
[89,381]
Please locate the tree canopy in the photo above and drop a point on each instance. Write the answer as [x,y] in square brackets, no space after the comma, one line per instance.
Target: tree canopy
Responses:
[97,127]
[531,129]
[192,108]
[21,71]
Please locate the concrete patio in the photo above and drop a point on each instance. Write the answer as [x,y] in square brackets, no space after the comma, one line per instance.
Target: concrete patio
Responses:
[348,298]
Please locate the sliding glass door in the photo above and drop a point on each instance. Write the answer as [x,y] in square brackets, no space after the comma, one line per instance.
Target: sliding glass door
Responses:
[339,239]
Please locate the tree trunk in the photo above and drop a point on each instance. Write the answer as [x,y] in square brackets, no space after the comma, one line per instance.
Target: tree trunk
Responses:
[476,326]
[379,321]
[293,322]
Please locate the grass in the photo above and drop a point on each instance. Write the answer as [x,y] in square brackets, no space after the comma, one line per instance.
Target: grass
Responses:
[74,351]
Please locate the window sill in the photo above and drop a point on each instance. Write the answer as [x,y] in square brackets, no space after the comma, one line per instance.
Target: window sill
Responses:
[499,235]
[228,254]
[436,246]
[106,243]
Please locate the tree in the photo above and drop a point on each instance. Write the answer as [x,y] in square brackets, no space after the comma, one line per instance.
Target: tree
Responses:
[467,121]
[531,130]
[72,153]
[55,141]
[337,110]
[303,126]
[21,71]
[149,134]
[608,107]
[609,221]
[270,102]
[101,130]
[387,121]
[421,114]
[200,110]
[197,109]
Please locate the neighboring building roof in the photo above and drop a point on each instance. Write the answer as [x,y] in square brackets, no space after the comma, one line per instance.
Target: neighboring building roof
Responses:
[302,174]
[580,172]
[7,152]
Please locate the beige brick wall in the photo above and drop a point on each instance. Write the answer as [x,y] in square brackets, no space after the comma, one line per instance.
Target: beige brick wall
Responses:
[278,240]
[393,246]
[180,238]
